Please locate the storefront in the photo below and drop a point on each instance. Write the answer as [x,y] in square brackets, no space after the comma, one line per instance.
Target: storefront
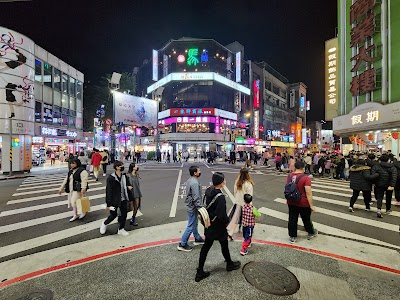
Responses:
[370,126]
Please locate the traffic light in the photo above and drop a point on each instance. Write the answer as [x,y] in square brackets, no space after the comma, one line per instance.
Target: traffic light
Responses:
[15,142]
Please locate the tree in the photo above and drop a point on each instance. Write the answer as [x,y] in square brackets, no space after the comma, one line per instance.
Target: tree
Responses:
[98,93]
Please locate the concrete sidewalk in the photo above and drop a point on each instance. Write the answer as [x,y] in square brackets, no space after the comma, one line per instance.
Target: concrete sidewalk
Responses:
[147,265]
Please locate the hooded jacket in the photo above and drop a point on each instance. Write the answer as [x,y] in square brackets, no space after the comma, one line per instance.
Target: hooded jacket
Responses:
[387,174]
[217,230]
[113,190]
[361,178]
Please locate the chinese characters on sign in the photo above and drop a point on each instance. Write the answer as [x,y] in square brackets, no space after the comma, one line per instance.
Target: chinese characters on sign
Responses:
[370,116]
[363,19]
[332,75]
[256,94]
[331,79]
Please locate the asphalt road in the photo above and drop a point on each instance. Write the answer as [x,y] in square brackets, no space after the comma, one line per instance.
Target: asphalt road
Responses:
[33,217]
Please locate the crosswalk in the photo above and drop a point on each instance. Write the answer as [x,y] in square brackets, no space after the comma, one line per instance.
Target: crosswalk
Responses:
[39,214]
[331,199]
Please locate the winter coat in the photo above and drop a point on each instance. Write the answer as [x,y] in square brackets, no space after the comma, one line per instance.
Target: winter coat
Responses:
[397,166]
[387,174]
[113,190]
[361,178]
[217,230]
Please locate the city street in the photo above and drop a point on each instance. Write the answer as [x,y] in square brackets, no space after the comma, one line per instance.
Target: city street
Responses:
[35,218]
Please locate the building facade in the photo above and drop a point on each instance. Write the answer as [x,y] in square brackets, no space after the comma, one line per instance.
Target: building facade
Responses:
[42,100]
[366,105]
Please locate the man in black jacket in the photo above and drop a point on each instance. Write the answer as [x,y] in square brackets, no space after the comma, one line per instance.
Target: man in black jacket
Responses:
[217,230]
[385,183]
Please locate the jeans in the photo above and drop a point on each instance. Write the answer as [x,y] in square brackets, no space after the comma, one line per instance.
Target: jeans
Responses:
[247,234]
[379,193]
[121,218]
[305,213]
[191,228]
[366,195]
[207,246]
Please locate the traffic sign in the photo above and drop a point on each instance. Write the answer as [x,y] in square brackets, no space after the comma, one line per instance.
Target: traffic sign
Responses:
[108,121]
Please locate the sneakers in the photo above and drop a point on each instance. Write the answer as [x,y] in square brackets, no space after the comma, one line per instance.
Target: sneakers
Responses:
[388,212]
[368,209]
[81,216]
[75,217]
[379,214]
[200,275]
[103,228]
[311,236]
[186,248]
[233,265]
[244,252]
[351,209]
[132,222]
[198,242]
[104,175]
[123,232]
[292,239]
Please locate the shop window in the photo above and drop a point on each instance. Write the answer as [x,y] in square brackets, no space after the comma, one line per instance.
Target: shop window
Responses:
[71,122]
[48,75]
[193,128]
[65,83]
[38,71]
[79,90]
[57,79]
[72,87]
[57,115]
[47,114]
[38,111]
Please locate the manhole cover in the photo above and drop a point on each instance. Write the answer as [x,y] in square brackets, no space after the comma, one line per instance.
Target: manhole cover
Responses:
[271,278]
[42,294]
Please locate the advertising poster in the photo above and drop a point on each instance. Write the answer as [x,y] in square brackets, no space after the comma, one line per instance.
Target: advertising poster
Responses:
[133,110]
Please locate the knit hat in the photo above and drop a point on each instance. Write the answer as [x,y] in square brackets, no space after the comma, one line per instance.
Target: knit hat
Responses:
[218,178]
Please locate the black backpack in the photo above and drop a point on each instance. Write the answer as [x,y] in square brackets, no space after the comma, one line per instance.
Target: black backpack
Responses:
[291,191]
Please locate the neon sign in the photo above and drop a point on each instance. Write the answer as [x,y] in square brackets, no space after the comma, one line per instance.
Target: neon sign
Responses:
[192,58]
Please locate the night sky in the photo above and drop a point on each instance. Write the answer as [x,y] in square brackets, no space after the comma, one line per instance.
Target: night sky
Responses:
[102,36]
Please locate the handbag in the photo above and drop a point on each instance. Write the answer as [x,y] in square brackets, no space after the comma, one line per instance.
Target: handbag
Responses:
[83,205]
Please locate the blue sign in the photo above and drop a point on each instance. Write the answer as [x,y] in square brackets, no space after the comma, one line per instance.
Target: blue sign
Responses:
[302,102]
[204,56]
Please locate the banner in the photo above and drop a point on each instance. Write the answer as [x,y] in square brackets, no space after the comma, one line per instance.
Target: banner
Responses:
[331,79]
[132,110]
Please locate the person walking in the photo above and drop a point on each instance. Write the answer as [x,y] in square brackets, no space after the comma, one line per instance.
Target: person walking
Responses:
[278,162]
[308,162]
[385,183]
[304,207]
[52,158]
[217,230]
[117,198]
[193,202]
[243,185]
[361,180]
[83,159]
[96,161]
[249,213]
[291,164]
[104,161]
[135,194]
[75,185]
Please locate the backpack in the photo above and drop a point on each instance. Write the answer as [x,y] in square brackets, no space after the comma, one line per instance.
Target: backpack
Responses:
[291,191]
[202,213]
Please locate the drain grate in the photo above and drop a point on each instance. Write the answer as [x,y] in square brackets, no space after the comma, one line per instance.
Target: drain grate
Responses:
[271,278]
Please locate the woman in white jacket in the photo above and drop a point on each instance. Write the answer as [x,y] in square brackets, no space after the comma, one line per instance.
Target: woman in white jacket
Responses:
[75,185]
[243,185]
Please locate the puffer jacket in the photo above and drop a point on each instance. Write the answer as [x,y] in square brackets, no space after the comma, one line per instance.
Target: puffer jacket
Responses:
[387,174]
[217,230]
[397,166]
[361,178]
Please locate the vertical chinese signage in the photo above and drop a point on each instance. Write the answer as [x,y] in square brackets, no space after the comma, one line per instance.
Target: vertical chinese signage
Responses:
[331,79]
[238,67]
[155,65]
[256,94]
[363,22]
[256,124]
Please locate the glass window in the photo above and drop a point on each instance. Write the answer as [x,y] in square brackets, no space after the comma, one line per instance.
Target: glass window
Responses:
[78,89]
[48,75]
[57,79]
[38,111]
[65,83]
[64,116]
[48,114]
[72,87]
[72,122]
[275,90]
[57,115]
[268,85]
[38,70]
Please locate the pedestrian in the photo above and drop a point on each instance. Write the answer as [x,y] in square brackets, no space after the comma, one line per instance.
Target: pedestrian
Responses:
[308,162]
[304,207]
[291,164]
[217,230]
[83,159]
[193,202]
[278,162]
[385,183]
[117,198]
[135,194]
[52,158]
[249,212]
[168,157]
[104,161]
[96,161]
[243,185]
[75,185]
[396,163]
[361,180]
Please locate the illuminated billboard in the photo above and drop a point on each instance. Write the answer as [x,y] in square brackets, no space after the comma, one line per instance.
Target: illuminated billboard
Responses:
[331,79]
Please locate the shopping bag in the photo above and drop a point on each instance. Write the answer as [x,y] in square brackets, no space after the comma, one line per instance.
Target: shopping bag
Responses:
[83,205]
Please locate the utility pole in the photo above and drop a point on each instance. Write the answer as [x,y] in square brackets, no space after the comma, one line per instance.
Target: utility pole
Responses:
[11,147]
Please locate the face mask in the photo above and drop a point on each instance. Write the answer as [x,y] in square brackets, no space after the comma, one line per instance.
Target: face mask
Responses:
[122,168]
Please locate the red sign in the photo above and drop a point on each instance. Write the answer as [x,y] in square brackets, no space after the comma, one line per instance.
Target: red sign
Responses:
[256,94]
[108,122]
[181,112]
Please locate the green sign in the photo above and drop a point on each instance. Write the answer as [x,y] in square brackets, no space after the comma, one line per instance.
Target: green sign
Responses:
[192,58]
